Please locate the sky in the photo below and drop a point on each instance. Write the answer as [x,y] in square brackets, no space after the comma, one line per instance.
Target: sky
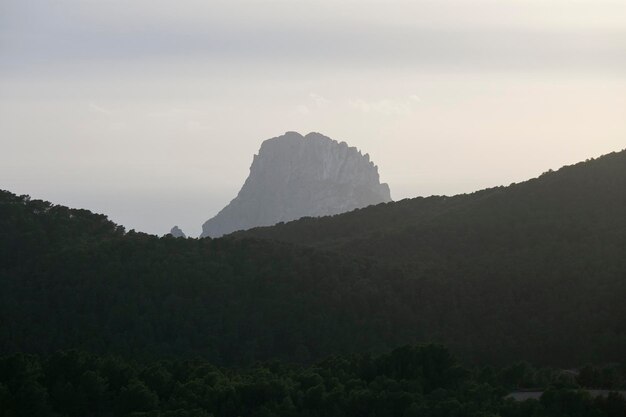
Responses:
[150,111]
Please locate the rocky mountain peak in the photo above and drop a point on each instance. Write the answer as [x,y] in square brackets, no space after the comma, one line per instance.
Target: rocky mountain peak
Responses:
[176,232]
[295,176]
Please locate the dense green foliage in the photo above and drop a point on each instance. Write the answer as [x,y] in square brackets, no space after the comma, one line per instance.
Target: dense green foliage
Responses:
[410,381]
[535,268]
[230,301]
[535,272]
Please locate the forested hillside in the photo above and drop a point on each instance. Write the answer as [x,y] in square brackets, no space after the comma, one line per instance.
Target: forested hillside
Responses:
[535,271]
[410,381]
[136,294]
[544,258]
[577,202]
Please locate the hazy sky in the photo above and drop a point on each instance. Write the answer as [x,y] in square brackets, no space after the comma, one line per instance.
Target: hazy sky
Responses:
[150,110]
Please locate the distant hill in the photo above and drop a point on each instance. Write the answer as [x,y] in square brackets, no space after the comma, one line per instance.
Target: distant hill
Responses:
[295,176]
[543,258]
[73,279]
[534,271]
[589,194]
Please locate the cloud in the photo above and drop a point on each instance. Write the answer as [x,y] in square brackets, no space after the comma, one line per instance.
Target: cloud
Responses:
[93,107]
[418,34]
[196,126]
[302,110]
[386,106]
[319,100]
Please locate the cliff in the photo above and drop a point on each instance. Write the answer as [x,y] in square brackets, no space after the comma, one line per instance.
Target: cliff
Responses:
[296,176]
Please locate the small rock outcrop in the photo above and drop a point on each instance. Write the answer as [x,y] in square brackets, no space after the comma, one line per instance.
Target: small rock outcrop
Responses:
[296,176]
[176,232]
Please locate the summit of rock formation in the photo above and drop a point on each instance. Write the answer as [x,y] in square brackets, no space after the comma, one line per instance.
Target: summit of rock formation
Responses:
[296,176]
[176,232]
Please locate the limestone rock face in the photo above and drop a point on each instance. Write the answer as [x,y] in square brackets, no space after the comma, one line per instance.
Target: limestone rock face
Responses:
[295,176]
[176,232]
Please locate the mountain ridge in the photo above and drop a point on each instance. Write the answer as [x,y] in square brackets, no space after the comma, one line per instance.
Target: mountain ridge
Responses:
[407,212]
[532,272]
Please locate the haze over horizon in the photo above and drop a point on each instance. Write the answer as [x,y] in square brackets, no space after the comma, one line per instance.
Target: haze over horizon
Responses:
[150,111]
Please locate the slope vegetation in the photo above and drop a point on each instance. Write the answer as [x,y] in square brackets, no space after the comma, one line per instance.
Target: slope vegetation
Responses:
[535,271]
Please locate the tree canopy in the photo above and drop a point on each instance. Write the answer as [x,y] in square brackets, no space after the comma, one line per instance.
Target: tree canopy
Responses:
[534,271]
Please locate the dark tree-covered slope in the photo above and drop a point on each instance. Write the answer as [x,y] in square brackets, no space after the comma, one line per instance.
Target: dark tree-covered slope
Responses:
[544,258]
[136,294]
[579,201]
[535,271]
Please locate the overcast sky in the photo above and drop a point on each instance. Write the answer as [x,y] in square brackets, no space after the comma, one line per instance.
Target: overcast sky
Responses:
[150,110]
